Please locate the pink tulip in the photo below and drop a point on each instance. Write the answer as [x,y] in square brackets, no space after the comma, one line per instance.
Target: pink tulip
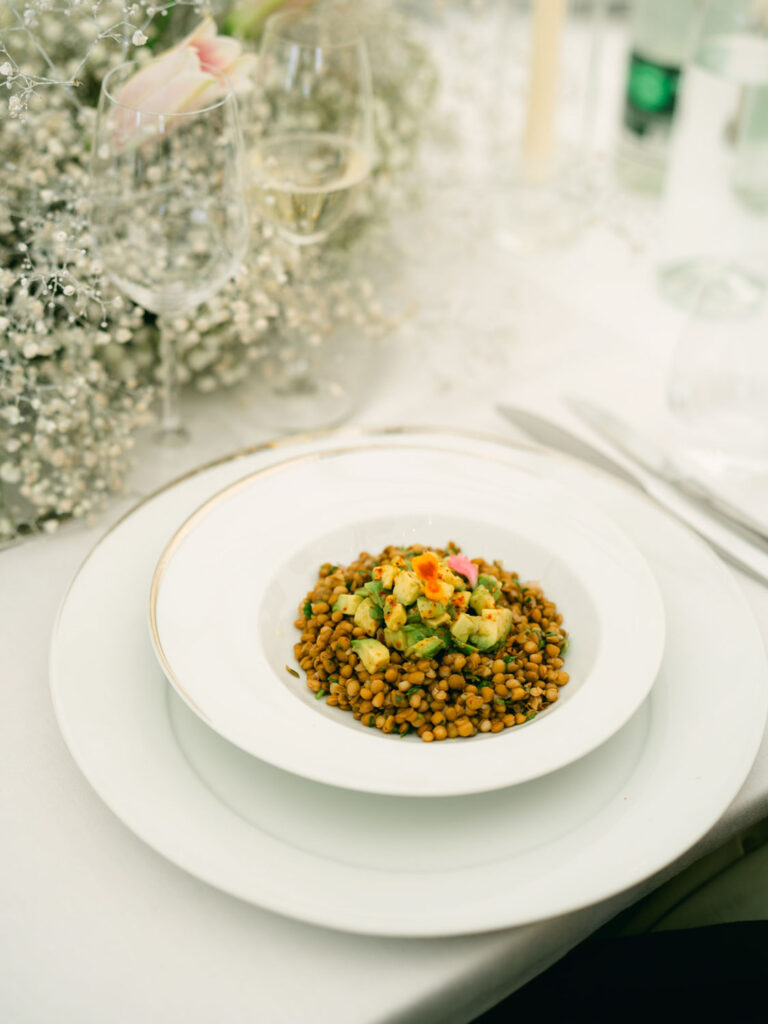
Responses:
[184,78]
[219,53]
[465,567]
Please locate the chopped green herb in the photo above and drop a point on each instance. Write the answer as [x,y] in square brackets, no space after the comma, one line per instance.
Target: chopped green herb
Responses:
[509,659]
[319,694]
[307,609]
[530,715]
[413,689]
[333,568]
[566,645]
[292,671]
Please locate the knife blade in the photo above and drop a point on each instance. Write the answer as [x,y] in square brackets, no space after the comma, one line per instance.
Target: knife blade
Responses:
[650,457]
[545,432]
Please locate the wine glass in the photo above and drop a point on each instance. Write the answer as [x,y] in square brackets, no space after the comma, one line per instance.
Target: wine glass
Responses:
[716,195]
[310,153]
[168,208]
[717,388]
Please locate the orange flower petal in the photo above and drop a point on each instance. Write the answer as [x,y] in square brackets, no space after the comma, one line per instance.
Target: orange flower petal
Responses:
[425,566]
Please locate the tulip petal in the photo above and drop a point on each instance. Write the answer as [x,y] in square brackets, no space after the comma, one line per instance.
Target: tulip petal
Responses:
[151,77]
[239,71]
[183,93]
[217,53]
[202,32]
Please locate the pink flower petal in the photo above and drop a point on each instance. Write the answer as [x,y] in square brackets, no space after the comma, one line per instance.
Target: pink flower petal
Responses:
[239,71]
[465,567]
[185,93]
[218,53]
[200,34]
[151,77]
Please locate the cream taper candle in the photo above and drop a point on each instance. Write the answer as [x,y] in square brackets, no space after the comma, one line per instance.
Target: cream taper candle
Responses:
[548,18]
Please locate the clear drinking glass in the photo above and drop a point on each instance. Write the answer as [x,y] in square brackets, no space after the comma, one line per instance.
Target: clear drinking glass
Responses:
[718,388]
[168,209]
[309,138]
[311,153]
[716,198]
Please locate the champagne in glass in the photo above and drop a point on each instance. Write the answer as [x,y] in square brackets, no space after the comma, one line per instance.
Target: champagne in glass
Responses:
[309,182]
[310,153]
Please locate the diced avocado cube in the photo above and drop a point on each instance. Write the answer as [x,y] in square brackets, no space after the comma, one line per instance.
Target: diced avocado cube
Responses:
[460,600]
[505,623]
[425,648]
[413,616]
[373,654]
[481,598]
[385,574]
[443,591]
[428,609]
[396,639]
[365,616]
[347,604]
[464,627]
[486,634]
[441,620]
[407,587]
[446,576]
[394,613]
[373,589]
[491,584]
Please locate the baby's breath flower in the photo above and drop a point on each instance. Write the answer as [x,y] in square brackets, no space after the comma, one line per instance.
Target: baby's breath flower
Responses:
[77,359]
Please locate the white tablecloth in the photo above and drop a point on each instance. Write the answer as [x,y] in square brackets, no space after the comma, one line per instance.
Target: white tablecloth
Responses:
[94,926]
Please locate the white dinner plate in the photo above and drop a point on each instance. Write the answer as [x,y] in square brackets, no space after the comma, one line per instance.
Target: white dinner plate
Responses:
[229,586]
[393,865]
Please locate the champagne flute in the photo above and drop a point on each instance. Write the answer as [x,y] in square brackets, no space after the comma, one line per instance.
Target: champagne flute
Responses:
[168,210]
[310,153]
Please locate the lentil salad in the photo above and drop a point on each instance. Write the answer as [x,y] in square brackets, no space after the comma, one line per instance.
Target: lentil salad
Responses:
[431,642]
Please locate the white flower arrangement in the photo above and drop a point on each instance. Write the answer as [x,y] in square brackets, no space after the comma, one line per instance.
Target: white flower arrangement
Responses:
[77,360]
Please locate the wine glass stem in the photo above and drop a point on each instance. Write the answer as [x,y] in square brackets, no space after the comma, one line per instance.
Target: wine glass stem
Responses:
[172,432]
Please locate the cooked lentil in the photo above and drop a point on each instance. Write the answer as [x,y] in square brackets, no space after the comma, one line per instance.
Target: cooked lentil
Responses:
[461,690]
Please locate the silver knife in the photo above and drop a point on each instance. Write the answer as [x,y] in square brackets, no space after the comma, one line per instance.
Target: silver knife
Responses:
[546,432]
[646,454]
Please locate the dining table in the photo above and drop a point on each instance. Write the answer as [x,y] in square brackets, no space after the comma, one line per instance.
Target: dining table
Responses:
[95,926]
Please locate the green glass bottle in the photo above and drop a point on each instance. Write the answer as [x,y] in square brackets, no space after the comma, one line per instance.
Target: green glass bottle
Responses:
[660,36]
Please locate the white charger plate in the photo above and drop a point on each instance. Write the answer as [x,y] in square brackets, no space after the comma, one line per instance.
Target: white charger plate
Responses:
[228,588]
[396,866]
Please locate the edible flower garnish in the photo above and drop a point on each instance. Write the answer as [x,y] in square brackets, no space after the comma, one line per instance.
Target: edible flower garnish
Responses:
[426,567]
[465,567]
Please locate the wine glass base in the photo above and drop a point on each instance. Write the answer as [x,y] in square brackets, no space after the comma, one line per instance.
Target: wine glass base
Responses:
[713,289]
[304,404]
[171,437]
